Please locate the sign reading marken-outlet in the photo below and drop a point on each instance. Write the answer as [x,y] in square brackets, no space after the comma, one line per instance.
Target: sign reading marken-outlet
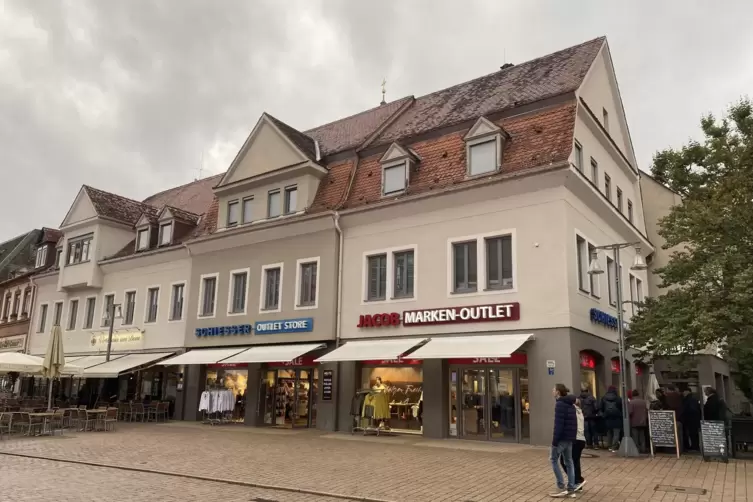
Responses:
[449,315]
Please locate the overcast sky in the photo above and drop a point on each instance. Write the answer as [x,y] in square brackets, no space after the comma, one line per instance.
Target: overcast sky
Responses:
[128,96]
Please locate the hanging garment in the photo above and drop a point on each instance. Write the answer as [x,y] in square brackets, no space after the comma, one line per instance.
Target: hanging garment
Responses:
[381,402]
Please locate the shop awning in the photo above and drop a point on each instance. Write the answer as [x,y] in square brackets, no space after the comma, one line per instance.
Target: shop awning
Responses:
[368,350]
[70,359]
[471,346]
[90,361]
[120,365]
[202,356]
[273,353]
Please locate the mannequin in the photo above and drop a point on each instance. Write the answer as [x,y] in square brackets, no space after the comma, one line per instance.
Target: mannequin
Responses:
[381,402]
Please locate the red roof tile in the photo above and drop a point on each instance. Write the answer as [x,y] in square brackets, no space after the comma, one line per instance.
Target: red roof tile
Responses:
[116,207]
[194,197]
[303,142]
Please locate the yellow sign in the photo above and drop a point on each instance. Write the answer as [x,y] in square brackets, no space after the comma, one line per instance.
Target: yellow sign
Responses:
[117,338]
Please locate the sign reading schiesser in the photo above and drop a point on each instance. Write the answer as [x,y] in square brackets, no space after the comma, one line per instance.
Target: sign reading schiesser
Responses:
[447,315]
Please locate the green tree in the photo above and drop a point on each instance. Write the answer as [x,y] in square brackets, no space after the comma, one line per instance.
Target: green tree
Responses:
[710,276]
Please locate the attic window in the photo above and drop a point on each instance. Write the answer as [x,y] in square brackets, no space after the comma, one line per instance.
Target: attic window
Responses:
[484,145]
[233,213]
[166,234]
[395,178]
[41,256]
[142,239]
[483,158]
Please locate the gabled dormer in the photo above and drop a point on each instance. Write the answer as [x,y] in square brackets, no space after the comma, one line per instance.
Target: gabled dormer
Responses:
[144,229]
[174,224]
[484,145]
[397,164]
[275,174]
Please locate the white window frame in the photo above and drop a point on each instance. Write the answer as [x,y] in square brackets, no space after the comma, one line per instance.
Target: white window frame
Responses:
[630,210]
[183,304]
[230,203]
[611,287]
[287,211]
[62,312]
[67,317]
[481,263]
[263,287]
[216,276]
[631,286]
[161,234]
[270,193]
[593,279]
[27,297]
[102,310]
[497,139]
[70,244]
[41,328]
[247,200]
[298,267]
[41,257]
[124,307]
[390,271]
[640,296]
[620,198]
[147,230]
[392,165]
[231,280]
[146,303]
[605,119]
[594,172]
[608,187]
[94,313]
[578,156]
[58,257]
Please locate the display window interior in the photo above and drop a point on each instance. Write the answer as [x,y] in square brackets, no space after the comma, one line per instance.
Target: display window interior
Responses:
[404,388]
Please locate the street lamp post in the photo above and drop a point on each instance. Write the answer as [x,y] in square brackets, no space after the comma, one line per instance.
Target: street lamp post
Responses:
[114,312]
[627,445]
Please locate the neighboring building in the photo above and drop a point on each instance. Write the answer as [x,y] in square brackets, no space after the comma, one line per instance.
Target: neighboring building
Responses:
[115,251]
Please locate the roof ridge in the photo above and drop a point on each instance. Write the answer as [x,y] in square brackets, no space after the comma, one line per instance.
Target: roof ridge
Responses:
[89,187]
[181,186]
[362,112]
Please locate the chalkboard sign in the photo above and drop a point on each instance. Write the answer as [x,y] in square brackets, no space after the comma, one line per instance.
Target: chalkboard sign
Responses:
[714,440]
[662,427]
[327,377]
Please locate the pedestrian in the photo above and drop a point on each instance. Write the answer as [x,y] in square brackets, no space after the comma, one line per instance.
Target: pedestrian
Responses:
[691,421]
[673,401]
[578,446]
[565,433]
[658,403]
[638,412]
[590,416]
[714,408]
[611,410]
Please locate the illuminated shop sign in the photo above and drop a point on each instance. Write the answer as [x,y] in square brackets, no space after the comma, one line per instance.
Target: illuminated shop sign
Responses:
[284,326]
[451,315]
[599,317]
[587,360]
[238,329]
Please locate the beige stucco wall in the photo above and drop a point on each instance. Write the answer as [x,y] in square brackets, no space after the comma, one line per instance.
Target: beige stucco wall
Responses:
[267,151]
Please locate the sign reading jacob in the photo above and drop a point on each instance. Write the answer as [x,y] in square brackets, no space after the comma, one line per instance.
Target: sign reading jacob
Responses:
[450,315]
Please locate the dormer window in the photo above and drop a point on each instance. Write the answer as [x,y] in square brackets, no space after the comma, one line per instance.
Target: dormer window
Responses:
[233,213]
[291,199]
[142,239]
[79,249]
[41,256]
[396,168]
[165,234]
[273,204]
[58,256]
[484,145]
[248,209]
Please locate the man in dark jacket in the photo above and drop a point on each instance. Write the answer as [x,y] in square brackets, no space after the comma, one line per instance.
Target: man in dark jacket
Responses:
[565,433]
[590,411]
[715,407]
[611,410]
[673,401]
[638,413]
[691,420]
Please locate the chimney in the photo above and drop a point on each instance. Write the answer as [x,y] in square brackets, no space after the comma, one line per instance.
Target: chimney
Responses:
[506,66]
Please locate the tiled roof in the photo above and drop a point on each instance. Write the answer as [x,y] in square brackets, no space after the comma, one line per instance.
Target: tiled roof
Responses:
[304,143]
[116,207]
[182,215]
[51,235]
[193,197]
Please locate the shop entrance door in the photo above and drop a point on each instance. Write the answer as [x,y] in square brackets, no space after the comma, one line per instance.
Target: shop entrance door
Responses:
[488,398]
[290,397]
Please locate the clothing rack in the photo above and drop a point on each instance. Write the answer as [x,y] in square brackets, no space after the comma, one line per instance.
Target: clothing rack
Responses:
[361,423]
[217,406]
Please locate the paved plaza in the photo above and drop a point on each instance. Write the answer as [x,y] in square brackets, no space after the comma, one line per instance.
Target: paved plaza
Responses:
[187,462]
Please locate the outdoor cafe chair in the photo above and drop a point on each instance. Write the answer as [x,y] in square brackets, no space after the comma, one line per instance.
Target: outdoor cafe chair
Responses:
[137,410]
[111,418]
[24,423]
[84,422]
[163,410]
[57,422]
[70,418]
[5,424]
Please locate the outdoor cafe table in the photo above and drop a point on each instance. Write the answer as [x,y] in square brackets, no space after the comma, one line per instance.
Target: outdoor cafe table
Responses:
[45,416]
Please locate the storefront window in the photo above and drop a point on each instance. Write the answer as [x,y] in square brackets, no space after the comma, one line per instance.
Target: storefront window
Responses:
[525,400]
[232,379]
[405,393]
[588,373]
[453,401]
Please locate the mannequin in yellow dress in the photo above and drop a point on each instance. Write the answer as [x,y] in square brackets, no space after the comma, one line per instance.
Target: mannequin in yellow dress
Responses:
[381,402]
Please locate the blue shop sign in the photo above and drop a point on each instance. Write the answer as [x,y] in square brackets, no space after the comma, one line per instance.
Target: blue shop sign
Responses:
[239,329]
[284,326]
[603,318]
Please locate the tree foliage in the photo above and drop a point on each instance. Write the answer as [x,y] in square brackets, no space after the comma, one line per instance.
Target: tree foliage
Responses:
[710,273]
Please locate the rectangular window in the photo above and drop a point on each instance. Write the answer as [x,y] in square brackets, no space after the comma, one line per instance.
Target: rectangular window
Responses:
[273,204]
[608,187]
[272,279]
[233,210]
[6,306]
[130,307]
[307,295]
[42,318]
[208,287]
[248,204]
[377,277]
[41,256]
[499,262]
[27,302]
[152,304]
[106,308]
[595,172]
[605,118]
[403,286]
[58,255]
[619,199]
[142,239]
[578,150]
[638,291]
[16,303]
[238,291]
[582,248]
[395,179]
[291,200]
[89,320]
[78,250]
[632,293]
[176,302]
[630,211]
[465,278]
[58,313]
[72,314]
[593,279]
[611,271]
[483,158]
[165,234]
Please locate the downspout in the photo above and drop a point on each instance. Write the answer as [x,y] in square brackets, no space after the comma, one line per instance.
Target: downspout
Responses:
[338,323]
[31,309]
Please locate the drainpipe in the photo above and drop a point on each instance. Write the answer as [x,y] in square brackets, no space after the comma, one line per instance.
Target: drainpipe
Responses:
[32,301]
[338,324]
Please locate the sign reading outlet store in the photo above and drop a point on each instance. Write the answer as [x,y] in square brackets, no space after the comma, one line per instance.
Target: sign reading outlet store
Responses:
[449,315]
[302,325]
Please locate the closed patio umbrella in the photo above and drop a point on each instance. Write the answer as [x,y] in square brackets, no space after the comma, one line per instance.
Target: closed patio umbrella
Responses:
[54,360]
[653,386]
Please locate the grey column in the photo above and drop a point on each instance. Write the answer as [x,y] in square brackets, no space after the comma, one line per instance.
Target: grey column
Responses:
[326,411]
[436,413]
[194,381]
[349,380]
[254,396]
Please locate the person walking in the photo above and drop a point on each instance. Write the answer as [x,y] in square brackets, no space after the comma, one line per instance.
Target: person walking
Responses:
[638,412]
[565,434]
[590,415]
[611,410]
[714,408]
[578,447]
[691,421]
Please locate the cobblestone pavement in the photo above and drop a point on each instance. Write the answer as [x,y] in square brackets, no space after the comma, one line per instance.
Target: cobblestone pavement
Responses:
[383,468]
[37,480]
